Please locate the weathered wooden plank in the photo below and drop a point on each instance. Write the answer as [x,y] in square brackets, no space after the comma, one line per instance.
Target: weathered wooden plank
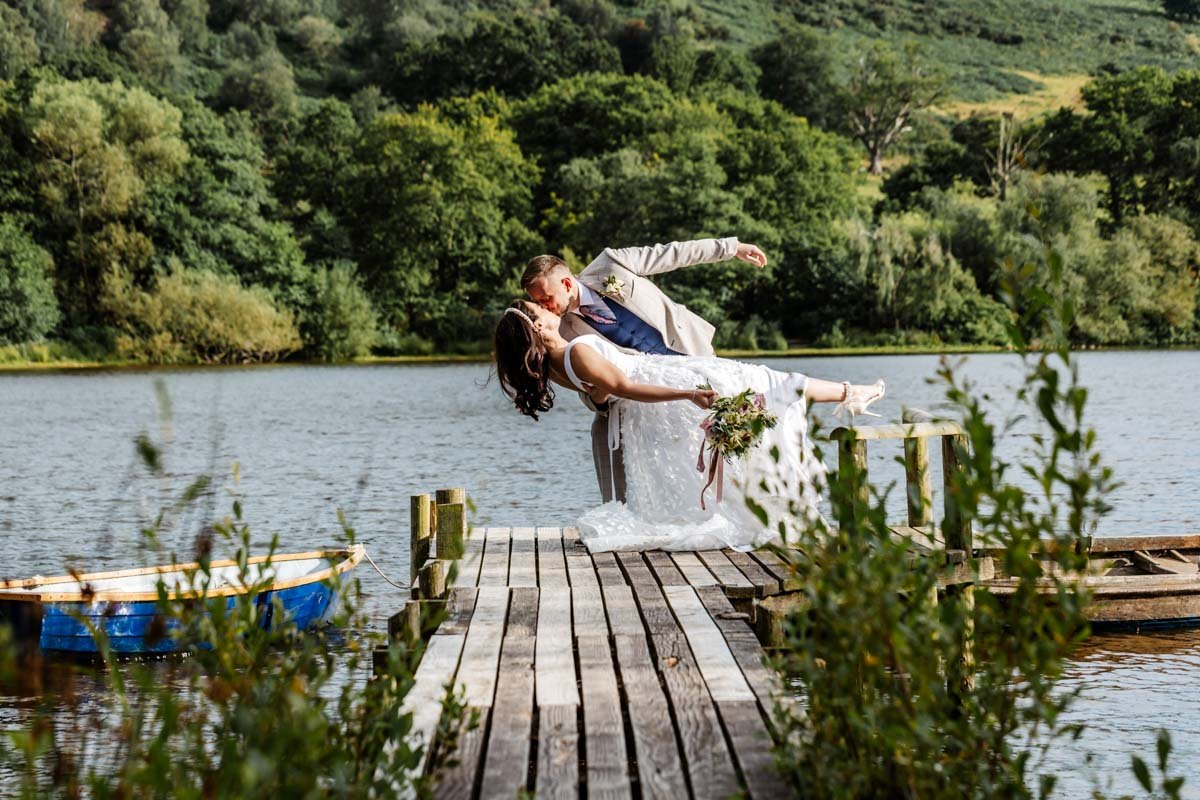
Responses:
[580,571]
[763,681]
[558,751]
[554,661]
[477,679]
[1170,564]
[664,569]
[587,611]
[730,577]
[659,763]
[522,564]
[915,430]
[467,573]
[509,740]
[916,538]
[751,745]
[716,663]
[604,731]
[460,605]
[607,570]
[481,652]
[494,570]
[764,582]
[636,570]
[706,755]
[778,568]
[424,699]
[693,569]
[623,615]
[551,565]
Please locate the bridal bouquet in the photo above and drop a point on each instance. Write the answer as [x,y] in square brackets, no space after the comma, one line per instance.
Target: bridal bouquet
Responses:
[733,426]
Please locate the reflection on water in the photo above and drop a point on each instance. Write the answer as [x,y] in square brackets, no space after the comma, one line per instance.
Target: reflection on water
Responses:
[1133,684]
[310,440]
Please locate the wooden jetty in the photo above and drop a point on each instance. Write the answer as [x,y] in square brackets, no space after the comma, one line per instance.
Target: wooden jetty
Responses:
[619,675]
[601,675]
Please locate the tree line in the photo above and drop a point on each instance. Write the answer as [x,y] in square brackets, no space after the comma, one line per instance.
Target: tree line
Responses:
[230,181]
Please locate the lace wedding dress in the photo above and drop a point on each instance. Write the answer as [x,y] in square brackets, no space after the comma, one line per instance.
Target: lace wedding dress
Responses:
[661,442]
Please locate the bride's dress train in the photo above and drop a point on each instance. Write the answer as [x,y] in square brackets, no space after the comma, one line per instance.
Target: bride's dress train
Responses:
[661,442]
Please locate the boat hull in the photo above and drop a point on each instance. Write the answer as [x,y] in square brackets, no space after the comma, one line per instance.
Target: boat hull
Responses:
[53,621]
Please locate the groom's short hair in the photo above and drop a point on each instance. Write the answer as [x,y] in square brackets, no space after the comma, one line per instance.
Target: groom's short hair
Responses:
[540,267]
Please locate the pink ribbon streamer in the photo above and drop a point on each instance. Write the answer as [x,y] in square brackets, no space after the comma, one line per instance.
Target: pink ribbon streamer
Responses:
[716,468]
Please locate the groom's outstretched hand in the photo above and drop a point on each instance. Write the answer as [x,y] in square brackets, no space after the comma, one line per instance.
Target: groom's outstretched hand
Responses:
[751,254]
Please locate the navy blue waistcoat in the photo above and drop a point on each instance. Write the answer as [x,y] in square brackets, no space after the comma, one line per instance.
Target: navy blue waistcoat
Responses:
[631,331]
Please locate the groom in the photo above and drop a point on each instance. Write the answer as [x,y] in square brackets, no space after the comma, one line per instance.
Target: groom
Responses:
[613,298]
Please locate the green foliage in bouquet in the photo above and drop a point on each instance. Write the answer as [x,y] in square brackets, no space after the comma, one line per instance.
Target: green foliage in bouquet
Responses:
[736,423]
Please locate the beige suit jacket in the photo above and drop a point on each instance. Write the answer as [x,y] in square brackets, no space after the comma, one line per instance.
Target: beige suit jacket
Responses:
[682,331]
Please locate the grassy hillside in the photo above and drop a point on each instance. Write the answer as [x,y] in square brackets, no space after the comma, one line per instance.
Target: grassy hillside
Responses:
[989,48]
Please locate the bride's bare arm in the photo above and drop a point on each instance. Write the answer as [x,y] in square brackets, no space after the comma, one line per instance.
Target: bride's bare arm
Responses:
[607,379]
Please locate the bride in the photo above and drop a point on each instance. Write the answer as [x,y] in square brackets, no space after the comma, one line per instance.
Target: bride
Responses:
[656,411]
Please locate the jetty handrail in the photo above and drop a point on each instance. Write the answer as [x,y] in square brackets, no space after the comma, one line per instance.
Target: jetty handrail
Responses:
[919,426]
[915,430]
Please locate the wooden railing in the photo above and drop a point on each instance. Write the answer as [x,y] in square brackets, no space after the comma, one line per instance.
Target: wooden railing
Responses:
[918,428]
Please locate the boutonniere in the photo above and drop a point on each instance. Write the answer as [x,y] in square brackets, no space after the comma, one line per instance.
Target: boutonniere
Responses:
[613,287]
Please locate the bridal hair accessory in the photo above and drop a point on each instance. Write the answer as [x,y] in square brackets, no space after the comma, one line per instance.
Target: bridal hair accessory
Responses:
[520,314]
[733,426]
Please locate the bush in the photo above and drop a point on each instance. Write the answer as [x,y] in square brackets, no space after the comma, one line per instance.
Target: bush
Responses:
[198,316]
[28,309]
[339,323]
[895,704]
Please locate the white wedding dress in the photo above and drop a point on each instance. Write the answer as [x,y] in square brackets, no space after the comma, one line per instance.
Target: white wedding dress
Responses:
[661,442]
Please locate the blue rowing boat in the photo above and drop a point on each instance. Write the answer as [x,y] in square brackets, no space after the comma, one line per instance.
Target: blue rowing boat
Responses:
[55,613]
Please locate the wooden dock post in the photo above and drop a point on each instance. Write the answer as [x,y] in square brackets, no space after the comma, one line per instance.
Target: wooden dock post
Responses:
[917,482]
[956,528]
[452,523]
[421,530]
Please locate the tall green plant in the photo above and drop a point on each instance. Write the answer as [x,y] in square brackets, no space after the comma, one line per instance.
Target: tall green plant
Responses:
[908,698]
[251,712]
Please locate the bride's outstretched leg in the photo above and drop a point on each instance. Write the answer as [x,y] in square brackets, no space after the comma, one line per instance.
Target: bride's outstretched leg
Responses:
[854,398]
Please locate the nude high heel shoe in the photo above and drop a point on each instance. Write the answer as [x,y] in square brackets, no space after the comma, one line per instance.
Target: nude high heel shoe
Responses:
[858,399]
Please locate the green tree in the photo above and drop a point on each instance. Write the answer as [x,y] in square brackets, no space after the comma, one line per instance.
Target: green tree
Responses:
[220,215]
[265,87]
[587,115]
[145,35]
[339,323]
[1117,137]
[724,67]
[1182,10]
[18,43]
[514,53]
[884,91]
[28,310]
[673,60]
[799,71]
[98,147]
[916,283]
[440,215]
[311,174]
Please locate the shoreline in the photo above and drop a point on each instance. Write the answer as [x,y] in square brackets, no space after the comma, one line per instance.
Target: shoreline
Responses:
[75,365]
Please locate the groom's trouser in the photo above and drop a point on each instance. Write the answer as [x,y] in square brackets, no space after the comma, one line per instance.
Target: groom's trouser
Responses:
[608,472]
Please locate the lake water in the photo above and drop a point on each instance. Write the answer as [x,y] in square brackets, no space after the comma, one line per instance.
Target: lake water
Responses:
[309,440]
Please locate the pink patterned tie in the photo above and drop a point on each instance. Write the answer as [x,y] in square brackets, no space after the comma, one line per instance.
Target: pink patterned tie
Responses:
[589,312]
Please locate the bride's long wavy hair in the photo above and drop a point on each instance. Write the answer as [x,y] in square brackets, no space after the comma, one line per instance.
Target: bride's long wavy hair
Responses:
[522,363]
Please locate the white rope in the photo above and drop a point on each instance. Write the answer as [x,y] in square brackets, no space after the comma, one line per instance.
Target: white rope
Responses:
[377,569]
